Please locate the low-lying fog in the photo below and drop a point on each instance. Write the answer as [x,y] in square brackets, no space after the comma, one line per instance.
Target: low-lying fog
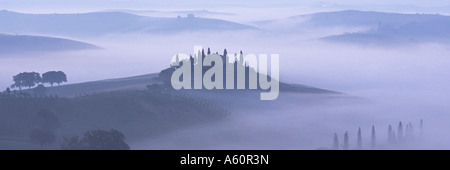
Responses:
[404,83]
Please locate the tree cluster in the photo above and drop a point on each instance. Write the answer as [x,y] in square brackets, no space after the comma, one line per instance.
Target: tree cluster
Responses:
[47,123]
[402,136]
[31,79]
[97,140]
[237,60]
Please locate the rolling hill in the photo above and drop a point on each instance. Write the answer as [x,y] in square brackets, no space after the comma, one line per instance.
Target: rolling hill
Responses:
[104,23]
[390,28]
[355,18]
[126,104]
[379,27]
[26,43]
[202,13]
[368,18]
[128,83]
[140,83]
[389,34]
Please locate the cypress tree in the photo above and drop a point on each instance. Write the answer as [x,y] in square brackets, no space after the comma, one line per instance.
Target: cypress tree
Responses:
[335,142]
[373,138]
[400,132]
[241,58]
[345,147]
[421,127]
[225,53]
[359,146]
[390,140]
[177,60]
[203,54]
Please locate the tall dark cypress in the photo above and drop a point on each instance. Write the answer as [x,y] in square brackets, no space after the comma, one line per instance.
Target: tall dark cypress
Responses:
[345,146]
[359,142]
[421,127]
[390,139]
[335,142]
[400,132]
[203,54]
[225,53]
[373,139]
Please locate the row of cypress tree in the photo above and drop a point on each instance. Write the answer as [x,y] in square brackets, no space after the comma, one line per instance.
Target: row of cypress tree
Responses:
[402,136]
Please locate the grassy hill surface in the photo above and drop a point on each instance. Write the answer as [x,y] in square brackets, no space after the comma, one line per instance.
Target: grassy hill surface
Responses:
[105,23]
[126,104]
[13,44]
[128,83]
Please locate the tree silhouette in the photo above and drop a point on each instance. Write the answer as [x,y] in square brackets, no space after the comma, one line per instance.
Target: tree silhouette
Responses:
[390,135]
[225,53]
[8,91]
[52,77]
[335,142]
[203,54]
[166,75]
[359,143]
[177,60]
[409,134]
[40,90]
[47,120]
[400,132]
[105,140]
[74,143]
[421,127]
[345,147]
[97,140]
[237,65]
[26,79]
[42,137]
[373,139]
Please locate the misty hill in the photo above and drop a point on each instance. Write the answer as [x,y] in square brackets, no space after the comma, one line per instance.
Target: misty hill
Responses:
[380,27]
[141,82]
[127,83]
[103,23]
[355,18]
[138,114]
[388,28]
[413,32]
[25,43]
[129,105]
[369,18]
[157,12]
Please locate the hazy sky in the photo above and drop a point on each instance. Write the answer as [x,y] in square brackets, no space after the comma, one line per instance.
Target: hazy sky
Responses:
[57,5]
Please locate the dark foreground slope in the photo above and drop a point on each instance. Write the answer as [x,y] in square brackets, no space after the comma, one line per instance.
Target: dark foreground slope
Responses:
[140,111]
[137,114]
